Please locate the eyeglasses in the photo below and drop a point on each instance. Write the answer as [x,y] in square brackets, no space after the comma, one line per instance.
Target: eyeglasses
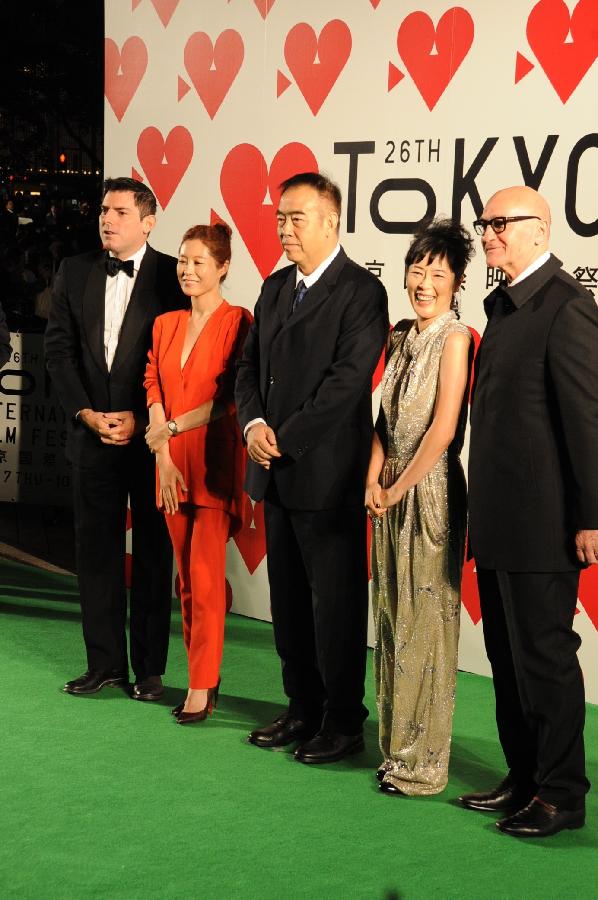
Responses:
[498,223]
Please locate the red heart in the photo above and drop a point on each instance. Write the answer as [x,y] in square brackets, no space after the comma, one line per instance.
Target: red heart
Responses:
[547,28]
[164,8]
[470,596]
[264,6]
[251,539]
[314,79]
[432,72]
[164,161]
[588,593]
[123,72]
[244,180]
[213,69]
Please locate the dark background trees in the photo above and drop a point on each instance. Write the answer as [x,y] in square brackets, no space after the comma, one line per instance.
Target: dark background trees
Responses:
[51,88]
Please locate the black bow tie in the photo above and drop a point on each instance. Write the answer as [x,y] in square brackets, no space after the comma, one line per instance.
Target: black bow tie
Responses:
[114,266]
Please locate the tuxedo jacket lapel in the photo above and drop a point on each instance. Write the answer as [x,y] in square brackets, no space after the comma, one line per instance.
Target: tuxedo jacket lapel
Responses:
[94,304]
[141,306]
[284,301]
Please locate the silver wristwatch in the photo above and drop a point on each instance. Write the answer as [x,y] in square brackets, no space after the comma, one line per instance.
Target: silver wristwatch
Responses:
[173,427]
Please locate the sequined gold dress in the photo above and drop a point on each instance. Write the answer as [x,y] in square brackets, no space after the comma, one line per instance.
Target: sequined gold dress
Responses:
[417,557]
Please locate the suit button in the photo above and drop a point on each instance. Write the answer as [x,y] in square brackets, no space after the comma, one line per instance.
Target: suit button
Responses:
[272,379]
[300,451]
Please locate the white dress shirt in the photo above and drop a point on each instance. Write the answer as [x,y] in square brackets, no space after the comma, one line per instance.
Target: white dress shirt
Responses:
[533,267]
[119,288]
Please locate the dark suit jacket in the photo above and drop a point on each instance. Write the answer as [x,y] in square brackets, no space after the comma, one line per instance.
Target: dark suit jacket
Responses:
[309,376]
[75,340]
[533,472]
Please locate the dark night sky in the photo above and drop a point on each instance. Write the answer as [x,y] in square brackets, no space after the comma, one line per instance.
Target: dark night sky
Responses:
[51,80]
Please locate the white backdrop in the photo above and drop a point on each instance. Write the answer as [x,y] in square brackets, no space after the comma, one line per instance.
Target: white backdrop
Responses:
[412,107]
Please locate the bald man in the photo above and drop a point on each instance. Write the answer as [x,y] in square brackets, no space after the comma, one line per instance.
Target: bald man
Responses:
[533,496]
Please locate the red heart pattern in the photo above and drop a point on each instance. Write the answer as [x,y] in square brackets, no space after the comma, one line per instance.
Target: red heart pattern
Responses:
[563,36]
[244,181]
[123,72]
[164,8]
[588,593]
[213,68]
[264,6]
[470,596]
[565,64]
[416,40]
[164,161]
[251,539]
[316,78]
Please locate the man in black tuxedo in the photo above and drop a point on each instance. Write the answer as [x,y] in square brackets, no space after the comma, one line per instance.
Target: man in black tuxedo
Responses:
[304,403]
[533,507]
[98,335]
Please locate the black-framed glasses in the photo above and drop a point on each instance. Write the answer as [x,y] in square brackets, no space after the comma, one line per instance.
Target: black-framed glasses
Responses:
[498,223]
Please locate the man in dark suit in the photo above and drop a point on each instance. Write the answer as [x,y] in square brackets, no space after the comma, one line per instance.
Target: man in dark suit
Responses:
[304,403]
[98,335]
[533,497]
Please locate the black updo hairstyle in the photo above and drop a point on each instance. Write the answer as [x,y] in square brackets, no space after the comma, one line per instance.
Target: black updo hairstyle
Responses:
[445,239]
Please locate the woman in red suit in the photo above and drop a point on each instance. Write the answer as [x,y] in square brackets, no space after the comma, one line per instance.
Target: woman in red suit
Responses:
[199,453]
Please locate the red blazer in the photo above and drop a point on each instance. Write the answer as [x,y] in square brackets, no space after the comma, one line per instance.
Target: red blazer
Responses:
[211,457]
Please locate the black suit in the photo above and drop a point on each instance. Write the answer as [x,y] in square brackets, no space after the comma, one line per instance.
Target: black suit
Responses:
[308,375]
[533,483]
[104,475]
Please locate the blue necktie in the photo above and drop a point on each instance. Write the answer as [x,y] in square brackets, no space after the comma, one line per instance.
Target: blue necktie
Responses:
[300,292]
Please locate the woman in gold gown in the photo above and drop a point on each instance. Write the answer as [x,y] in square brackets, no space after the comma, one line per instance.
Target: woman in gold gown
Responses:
[416,496]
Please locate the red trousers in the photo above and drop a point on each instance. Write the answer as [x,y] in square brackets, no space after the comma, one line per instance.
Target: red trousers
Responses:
[199,538]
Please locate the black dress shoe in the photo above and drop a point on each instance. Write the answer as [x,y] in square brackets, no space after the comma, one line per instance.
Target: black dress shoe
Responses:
[328,746]
[540,819]
[149,688]
[508,795]
[283,730]
[91,682]
[386,787]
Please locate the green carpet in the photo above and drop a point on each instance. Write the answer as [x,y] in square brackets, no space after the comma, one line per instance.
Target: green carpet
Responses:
[103,797]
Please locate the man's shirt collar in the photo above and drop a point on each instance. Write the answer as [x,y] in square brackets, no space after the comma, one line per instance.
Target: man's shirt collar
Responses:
[310,280]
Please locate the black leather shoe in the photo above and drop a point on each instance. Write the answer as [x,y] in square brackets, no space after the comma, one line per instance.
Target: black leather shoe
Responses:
[540,819]
[91,682]
[149,688]
[327,747]
[386,787]
[508,795]
[283,730]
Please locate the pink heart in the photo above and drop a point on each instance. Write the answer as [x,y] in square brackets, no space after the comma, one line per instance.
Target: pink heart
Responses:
[123,72]
[164,161]
[213,68]
[314,79]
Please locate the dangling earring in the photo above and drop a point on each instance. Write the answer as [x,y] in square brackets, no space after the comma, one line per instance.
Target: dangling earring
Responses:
[456,303]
